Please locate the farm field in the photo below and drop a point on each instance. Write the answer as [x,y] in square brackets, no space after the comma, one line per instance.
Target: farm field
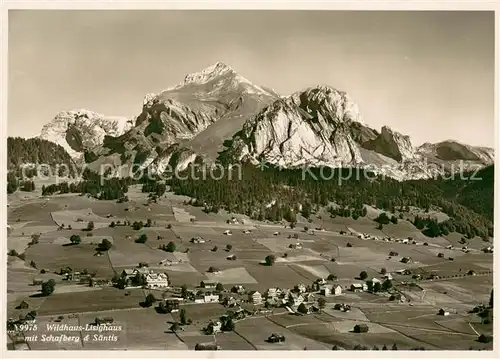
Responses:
[412,322]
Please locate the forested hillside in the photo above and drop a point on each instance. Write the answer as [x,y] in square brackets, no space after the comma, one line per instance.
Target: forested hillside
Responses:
[276,194]
[35,150]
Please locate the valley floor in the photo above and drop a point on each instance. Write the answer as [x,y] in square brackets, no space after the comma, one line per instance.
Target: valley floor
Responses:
[459,284]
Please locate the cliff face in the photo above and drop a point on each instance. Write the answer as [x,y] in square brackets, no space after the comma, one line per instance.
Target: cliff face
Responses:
[78,131]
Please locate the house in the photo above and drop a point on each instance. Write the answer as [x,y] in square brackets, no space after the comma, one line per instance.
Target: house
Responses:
[295,299]
[99,282]
[301,288]
[359,287]
[231,257]
[312,309]
[103,320]
[230,302]
[227,232]
[273,292]
[23,305]
[247,231]
[276,338]
[238,289]
[172,304]
[388,276]
[361,328]
[211,298]
[255,297]
[127,273]
[398,296]
[233,220]
[321,281]
[295,246]
[337,290]
[273,302]
[214,327]
[375,280]
[197,240]
[326,290]
[208,285]
[157,280]
[406,260]
[276,233]
[443,312]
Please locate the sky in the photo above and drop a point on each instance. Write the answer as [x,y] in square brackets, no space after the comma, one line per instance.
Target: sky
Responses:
[429,75]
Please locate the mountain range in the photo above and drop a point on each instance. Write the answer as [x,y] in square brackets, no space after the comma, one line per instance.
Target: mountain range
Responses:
[218,115]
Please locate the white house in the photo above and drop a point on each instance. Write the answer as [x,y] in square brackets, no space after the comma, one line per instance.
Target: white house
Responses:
[326,290]
[255,297]
[388,276]
[211,298]
[197,240]
[358,287]
[301,288]
[295,300]
[337,290]
[157,280]
[375,280]
[273,292]
[227,232]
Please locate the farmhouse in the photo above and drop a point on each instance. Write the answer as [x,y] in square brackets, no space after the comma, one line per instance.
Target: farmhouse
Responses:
[23,305]
[295,299]
[157,280]
[359,287]
[255,297]
[360,328]
[211,298]
[443,312]
[406,260]
[276,338]
[273,292]
[337,290]
[230,302]
[172,304]
[300,288]
[208,285]
[197,240]
[309,297]
[295,246]
[99,282]
[238,289]
[326,290]
[214,327]
[207,298]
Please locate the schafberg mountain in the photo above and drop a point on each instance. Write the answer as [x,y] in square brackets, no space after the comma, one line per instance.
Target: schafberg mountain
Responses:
[218,115]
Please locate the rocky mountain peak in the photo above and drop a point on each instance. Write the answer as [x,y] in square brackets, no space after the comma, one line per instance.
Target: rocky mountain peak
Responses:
[207,74]
[82,130]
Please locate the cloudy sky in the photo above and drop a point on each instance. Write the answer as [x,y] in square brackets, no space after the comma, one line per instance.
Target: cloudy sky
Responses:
[426,74]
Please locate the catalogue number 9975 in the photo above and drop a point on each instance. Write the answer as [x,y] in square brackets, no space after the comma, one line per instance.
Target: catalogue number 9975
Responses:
[26,327]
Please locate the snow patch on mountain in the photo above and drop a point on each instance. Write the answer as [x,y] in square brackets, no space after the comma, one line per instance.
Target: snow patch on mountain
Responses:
[82,130]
